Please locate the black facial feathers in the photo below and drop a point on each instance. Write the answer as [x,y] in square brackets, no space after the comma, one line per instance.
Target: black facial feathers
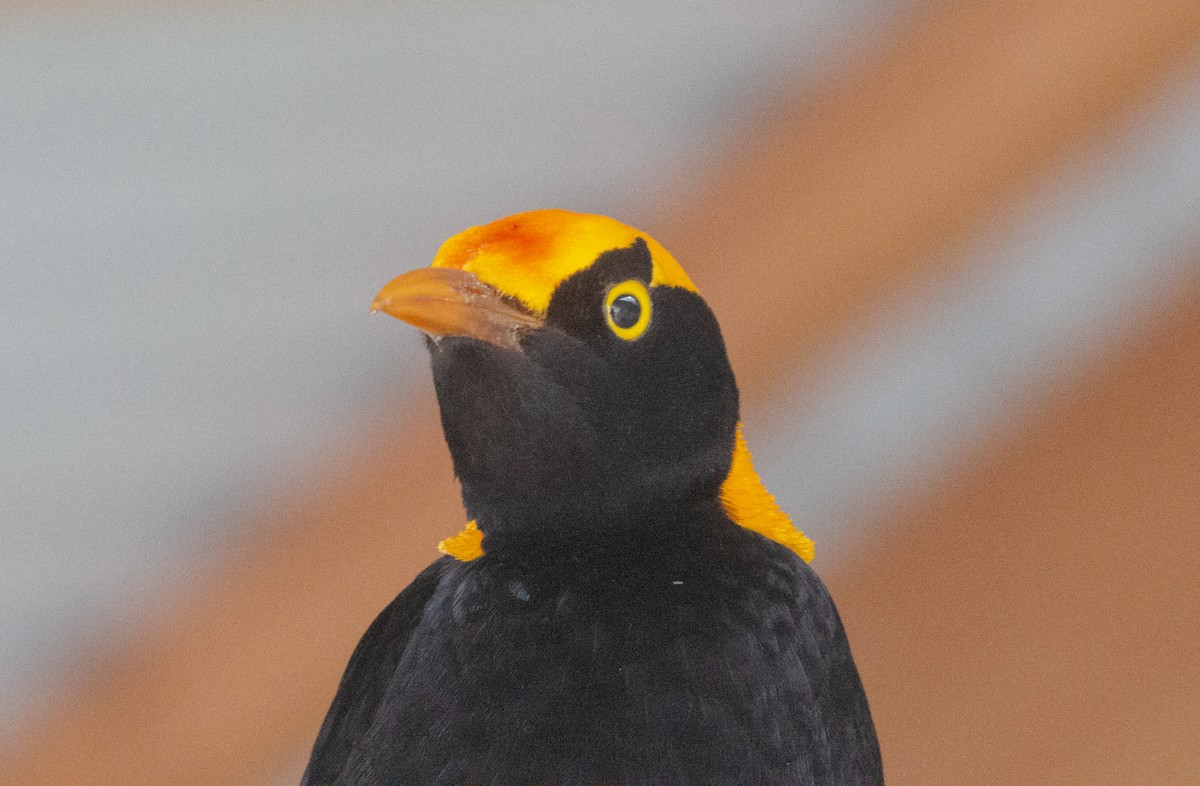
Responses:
[581,427]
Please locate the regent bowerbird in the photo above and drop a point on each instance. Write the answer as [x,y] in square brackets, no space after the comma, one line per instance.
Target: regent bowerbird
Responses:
[627,604]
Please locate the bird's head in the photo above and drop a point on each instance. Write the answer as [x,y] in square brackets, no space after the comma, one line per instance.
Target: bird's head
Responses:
[583,383]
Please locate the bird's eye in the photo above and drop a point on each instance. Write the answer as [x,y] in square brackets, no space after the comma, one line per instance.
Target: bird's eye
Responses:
[627,309]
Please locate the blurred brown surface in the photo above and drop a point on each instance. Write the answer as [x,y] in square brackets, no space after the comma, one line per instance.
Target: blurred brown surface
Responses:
[230,685]
[843,200]
[833,206]
[1035,619]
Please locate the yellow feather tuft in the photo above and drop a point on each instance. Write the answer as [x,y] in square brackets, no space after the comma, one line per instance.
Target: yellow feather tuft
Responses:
[750,505]
[466,545]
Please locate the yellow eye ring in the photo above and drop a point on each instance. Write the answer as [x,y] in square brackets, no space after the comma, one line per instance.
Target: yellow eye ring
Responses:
[627,309]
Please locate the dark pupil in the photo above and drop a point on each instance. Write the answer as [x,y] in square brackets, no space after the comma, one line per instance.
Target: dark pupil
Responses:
[625,311]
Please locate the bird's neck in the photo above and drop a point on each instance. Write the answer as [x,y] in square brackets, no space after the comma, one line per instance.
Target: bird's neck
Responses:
[592,539]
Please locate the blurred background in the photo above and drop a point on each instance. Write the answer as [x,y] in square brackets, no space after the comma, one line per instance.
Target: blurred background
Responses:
[954,247]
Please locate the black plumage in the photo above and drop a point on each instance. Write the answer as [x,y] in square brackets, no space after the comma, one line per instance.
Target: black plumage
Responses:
[620,626]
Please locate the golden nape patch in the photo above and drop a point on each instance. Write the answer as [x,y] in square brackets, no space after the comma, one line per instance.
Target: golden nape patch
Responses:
[527,255]
[746,501]
[750,505]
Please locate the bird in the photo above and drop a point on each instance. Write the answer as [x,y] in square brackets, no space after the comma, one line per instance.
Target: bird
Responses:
[626,603]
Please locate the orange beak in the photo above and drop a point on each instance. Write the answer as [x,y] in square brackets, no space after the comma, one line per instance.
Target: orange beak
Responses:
[451,302]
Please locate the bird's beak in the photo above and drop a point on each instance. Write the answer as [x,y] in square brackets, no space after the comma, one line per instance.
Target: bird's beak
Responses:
[451,302]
